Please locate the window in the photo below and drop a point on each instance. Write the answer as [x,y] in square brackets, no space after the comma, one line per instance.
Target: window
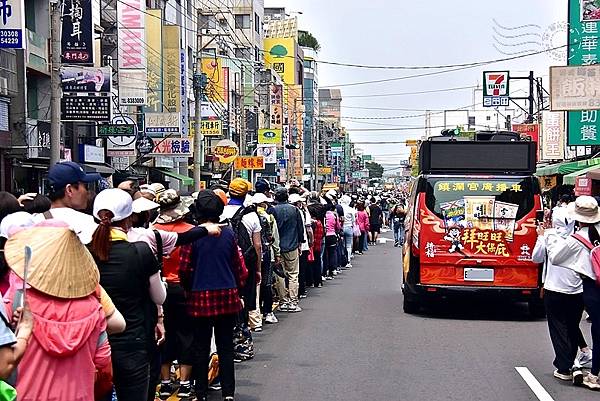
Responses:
[256,23]
[208,22]
[256,53]
[242,21]
[471,121]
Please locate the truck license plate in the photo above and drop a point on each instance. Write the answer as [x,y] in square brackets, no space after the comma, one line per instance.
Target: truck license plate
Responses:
[471,274]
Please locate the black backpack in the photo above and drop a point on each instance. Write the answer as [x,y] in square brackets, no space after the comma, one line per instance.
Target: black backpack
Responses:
[242,236]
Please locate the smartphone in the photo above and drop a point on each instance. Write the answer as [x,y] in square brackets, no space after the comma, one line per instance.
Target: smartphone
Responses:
[539,216]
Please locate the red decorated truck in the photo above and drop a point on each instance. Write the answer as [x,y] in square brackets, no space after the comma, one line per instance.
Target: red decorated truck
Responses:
[471,225]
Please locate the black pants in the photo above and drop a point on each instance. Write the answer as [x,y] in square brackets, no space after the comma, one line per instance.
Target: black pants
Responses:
[361,242]
[331,256]
[178,340]
[203,329]
[591,300]
[303,272]
[564,314]
[131,373]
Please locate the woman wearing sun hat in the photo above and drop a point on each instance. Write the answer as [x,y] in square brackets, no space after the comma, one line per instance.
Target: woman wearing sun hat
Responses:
[574,253]
[69,342]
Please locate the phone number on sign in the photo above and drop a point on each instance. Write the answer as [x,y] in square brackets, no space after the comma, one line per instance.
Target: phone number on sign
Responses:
[133,100]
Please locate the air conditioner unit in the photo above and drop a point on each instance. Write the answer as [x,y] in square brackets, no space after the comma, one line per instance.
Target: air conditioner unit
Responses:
[3,86]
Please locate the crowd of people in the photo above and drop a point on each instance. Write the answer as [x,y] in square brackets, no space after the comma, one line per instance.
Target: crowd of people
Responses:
[139,291]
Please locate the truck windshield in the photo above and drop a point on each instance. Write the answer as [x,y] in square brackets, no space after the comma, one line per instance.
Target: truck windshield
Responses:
[442,193]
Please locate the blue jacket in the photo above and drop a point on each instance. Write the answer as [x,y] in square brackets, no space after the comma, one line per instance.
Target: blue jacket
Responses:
[290,226]
[212,258]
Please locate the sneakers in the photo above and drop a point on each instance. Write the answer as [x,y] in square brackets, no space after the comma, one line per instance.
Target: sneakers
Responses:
[284,307]
[349,265]
[185,390]
[271,318]
[294,309]
[166,390]
[590,381]
[329,278]
[563,376]
[323,278]
[577,376]
[228,399]
[584,360]
[257,329]
[320,285]
[359,253]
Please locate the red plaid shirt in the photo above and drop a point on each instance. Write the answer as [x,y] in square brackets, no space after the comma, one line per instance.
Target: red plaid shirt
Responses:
[208,303]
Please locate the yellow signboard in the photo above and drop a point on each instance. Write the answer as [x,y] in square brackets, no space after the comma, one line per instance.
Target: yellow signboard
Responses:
[495,186]
[269,136]
[154,55]
[171,67]
[249,163]
[280,55]
[208,128]
[215,79]
[226,151]
[324,170]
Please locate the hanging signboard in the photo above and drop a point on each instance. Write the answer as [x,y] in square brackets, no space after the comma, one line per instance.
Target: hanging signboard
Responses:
[209,127]
[161,124]
[77,40]
[12,25]
[553,135]
[249,163]
[171,68]
[85,108]
[530,132]
[583,186]
[132,55]
[269,136]
[38,139]
[86,79]
[105,130]
[173,147]
[121,145]
[268,152]
[575,88]
[495,88]
[226,151]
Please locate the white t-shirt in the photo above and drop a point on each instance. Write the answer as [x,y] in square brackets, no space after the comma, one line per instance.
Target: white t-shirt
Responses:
[556,278]
[250,220]
[306,221]
[83,224]
[141,234]
[349,216]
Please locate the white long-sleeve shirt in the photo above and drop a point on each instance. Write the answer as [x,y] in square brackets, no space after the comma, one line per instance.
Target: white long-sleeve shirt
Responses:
[572,254]
[555,278]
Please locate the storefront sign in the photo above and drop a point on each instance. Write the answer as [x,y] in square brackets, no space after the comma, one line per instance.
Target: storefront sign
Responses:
[154,60]
[171,69]
[249,163]
[86,79]
[120,146]
[183,109]
[583,127]
[116,130]
[575,88]
[324,170]
[173,147]
[226,151]
[132,52]
[85,108]
[529,132]
[583,186]
[553,135]
[77,41]
[276,116]
[164,162]
[210,127]
[12,24]
[161,124]
[495,88]
[92,154]
[548,182]
[270,136]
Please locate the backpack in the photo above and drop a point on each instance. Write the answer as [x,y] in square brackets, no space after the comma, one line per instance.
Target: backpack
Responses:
[242,236]
[266,233]
[594,255]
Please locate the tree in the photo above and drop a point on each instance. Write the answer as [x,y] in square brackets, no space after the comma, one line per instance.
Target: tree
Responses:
[375,169]
[306,39]
[278,51]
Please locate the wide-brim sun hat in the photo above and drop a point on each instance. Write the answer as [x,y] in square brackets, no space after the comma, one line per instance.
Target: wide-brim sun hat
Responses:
[143,205]
[115,200]
[61,266]
[173,207]
[584,210]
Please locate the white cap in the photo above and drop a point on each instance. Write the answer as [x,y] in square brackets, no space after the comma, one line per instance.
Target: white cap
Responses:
[261,198]
[14,221]
[115,200]
[296,198]
[143,205]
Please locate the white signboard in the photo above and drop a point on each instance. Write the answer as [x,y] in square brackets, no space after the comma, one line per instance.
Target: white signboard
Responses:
[120,145]
[162,124]
[269,152]
[132,52]
[12,24]
[553,135]
[93,154]
[120,162]
[575,88]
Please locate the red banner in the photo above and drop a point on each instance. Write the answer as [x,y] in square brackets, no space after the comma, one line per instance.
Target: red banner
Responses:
[530,132]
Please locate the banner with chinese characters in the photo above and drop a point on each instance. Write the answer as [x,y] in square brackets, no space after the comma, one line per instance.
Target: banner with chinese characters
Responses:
[131,19]
[249,163]
[154,74]
[183,87]
[171,69]
[77,42]
[530,132]
[173,147]
[553,135]
[88,107]
[209,127]
[12,25]
[162,124]
[583,127]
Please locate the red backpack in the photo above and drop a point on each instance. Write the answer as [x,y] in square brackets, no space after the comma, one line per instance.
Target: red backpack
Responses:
[594,255]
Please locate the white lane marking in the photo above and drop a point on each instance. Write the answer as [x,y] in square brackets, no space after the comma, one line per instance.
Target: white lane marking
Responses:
[535,386]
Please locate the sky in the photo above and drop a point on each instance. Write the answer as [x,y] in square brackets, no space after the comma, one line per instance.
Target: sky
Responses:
[422,33]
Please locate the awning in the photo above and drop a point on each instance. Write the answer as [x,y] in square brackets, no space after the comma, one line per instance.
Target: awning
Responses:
[98,168]
[570,179]
[566,168]
[185,180]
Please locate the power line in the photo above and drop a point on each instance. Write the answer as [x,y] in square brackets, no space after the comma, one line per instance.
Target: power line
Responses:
[414,93]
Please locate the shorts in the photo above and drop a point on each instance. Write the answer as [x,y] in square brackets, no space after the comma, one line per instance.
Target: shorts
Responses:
[179,340]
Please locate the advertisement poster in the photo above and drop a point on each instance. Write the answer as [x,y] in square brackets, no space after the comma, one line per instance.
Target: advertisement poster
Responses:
[86,79]
[505,215]
[77,41]
[479,211]
[454,213]
[268,152]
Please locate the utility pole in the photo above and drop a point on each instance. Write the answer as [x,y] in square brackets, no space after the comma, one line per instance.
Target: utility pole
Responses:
[199,85]
[55,89]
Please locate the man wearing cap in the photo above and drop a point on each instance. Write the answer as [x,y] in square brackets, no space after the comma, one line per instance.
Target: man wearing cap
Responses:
[69,194]
[291,237]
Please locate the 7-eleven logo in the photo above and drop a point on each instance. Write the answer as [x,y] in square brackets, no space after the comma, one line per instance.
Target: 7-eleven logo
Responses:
[496,83]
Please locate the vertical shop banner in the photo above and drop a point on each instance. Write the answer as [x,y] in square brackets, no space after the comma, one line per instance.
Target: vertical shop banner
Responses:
[183,93]
[215,84]
[226,85]
[553,135]
[172,72]
[530,132]
[12,25]
[280,55]
[131,18]
[154,75]
[77,45]
[583,127]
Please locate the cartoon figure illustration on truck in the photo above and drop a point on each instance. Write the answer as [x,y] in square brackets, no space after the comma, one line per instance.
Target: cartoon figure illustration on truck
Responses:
[454,237]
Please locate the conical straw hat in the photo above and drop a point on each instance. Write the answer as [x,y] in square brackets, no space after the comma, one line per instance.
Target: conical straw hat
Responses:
[61,265]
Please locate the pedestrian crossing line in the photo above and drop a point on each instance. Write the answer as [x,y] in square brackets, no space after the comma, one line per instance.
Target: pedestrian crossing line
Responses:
[535,386]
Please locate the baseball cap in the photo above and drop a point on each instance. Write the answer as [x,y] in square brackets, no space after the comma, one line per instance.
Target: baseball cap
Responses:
[239,187]
[208,204]
[262,185]
[116,201]
[62,174]
[295,198]
[143,205]
[259,197]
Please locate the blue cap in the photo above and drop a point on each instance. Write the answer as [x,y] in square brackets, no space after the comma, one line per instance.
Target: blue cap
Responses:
[62,174]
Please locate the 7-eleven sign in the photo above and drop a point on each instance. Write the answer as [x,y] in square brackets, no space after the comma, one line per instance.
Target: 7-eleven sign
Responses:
[495,88]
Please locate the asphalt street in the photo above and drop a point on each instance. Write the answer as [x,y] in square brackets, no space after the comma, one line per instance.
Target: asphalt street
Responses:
[353,342]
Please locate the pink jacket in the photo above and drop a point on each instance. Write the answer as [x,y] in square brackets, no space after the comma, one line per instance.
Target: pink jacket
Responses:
[67,346]
[332,223]
[362,218]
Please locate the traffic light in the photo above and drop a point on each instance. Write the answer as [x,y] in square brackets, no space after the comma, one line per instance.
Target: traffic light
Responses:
[451,132]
